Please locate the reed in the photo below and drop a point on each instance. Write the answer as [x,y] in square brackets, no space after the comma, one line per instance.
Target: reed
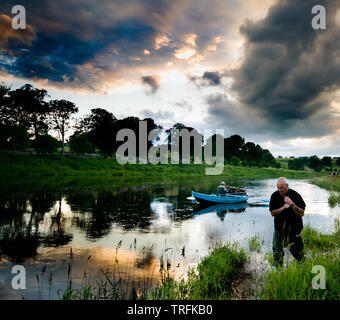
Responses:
[212,278]
[255,243]
[294,281]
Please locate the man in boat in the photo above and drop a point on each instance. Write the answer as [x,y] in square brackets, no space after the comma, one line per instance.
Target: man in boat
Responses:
[221,189]
[287,207]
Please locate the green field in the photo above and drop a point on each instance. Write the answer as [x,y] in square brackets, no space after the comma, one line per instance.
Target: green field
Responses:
[58,171]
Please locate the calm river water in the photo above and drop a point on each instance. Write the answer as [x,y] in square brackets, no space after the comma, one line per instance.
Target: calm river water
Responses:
[130,232]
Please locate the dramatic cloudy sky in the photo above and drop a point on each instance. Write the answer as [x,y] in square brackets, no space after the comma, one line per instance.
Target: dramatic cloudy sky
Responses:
[255,68]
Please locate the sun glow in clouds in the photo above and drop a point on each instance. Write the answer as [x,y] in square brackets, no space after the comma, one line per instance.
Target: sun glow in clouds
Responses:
[161,41]
[185,53]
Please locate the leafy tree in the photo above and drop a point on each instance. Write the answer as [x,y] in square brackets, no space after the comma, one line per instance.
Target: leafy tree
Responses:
[251,153]
[29,108]
[315,163]
[99,128]
[266,158]
[337,162]
[296,164]
[45,144]
[7,114]
[60,114]
[233,147]
[13,137]
[277,165]
[133,123]
[175,138]
[212,140]
[235,161]
[327,161]
[80,144]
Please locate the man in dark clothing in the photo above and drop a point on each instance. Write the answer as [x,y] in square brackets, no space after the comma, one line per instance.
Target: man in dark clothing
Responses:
[287,207]
[221,189]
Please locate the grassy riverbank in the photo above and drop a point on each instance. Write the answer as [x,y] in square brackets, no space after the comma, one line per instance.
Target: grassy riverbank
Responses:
[59,170]
[221,274]
[332,184]
[294,281]
[216,275]
[213,278]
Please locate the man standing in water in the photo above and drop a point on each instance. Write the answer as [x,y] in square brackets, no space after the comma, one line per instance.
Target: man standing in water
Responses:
[287,207]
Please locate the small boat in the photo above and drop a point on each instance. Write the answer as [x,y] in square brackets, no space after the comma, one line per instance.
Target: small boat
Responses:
[203,198]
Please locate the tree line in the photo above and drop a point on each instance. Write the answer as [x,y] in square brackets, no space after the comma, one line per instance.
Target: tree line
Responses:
[313,162]
[27,119]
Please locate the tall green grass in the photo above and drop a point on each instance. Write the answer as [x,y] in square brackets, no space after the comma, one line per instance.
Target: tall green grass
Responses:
[255,243]
[315,240]
[212,278]
[332,184]
[328,182]
[334,199]
[294,282]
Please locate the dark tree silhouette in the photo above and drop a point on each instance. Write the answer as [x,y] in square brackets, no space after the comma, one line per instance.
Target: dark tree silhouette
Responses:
[233,146]
[30,108]
[99,128]
[60,114]
[327,161]
[174,138]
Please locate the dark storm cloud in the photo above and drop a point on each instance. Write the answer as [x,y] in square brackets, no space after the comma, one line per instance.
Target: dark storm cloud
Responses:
[10,37]
[152,82]
[52,56]
[56,56]
[209,78]
[248,122]
[107,35]
[289,70]
[86,43]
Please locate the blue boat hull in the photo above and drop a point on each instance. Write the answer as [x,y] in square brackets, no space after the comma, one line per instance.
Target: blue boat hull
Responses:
[212,198]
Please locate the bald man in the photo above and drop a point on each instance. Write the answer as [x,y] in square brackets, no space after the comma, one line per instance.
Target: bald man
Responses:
[287,207]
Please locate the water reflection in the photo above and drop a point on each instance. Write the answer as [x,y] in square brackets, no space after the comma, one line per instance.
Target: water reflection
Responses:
[154,226]
[221,209]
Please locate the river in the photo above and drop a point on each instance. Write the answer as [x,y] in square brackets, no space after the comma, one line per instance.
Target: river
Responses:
[131,232]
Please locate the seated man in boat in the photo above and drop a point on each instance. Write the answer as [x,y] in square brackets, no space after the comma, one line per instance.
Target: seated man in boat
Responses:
[221,189]
[287,207]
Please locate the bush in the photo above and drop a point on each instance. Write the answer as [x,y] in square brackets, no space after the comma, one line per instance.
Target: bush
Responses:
[235,161]
[297,164]
[315,163]
[45,144]
[13,137]
[326,161]
[277,165]
[80,144]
